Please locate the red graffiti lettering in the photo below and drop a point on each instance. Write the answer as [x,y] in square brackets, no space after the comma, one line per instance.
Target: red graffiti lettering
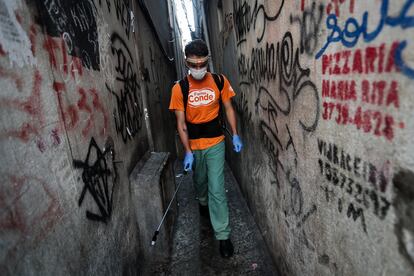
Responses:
[99,107]
[13,76]
[71,113]
[32,37]
[368,121]
[371,60]
[379,92]
[50,45]
[55,137]
[2,52]
[18,17]
[63,63]
[32,106]
[335,6]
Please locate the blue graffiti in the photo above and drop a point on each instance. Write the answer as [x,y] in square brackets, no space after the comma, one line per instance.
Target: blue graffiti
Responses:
[353,31]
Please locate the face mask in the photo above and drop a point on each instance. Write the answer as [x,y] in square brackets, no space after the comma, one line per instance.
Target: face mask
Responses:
[198,74]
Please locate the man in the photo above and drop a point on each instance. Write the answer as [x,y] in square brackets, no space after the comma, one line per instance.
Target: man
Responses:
[196,103]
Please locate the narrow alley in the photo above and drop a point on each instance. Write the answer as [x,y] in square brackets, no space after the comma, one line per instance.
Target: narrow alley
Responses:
[292,120]
[195,250]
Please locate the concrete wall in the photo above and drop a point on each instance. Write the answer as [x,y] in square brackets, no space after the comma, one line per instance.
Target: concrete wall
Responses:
[159,75]
[180,67]
[198,21]
[78,80]
[325,104]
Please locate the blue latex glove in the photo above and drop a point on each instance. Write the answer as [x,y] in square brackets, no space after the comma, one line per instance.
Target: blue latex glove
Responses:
[188,161]
[237,143]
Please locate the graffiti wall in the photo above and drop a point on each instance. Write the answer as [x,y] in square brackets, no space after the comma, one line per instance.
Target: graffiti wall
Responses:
[325,106]
[72,127]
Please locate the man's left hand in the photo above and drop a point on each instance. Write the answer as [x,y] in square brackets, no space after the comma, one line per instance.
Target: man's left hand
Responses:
[237,143]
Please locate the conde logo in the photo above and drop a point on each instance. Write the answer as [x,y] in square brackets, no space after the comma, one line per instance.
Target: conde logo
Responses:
[201,97]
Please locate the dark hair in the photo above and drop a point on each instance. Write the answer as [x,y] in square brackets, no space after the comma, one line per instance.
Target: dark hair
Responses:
[196,47]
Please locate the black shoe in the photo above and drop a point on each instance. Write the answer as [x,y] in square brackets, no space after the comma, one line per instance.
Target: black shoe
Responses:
[204,211]
[226,248]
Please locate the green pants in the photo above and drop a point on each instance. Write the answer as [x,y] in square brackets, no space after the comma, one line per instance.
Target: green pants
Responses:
[208,180]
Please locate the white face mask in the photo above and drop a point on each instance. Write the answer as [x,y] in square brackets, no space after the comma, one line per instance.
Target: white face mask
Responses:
[198,74]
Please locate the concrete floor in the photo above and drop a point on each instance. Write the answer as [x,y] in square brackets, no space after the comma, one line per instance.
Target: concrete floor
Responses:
[196,252]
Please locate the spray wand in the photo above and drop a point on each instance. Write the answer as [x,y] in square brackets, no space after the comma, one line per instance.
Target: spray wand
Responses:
[154,238]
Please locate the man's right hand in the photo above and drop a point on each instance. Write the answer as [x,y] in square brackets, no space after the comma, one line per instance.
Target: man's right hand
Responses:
[188,161]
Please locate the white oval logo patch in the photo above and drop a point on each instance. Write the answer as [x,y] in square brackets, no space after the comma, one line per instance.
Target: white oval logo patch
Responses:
[201,97]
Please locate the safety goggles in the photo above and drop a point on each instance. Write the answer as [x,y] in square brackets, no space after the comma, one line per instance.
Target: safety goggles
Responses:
[197,63]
